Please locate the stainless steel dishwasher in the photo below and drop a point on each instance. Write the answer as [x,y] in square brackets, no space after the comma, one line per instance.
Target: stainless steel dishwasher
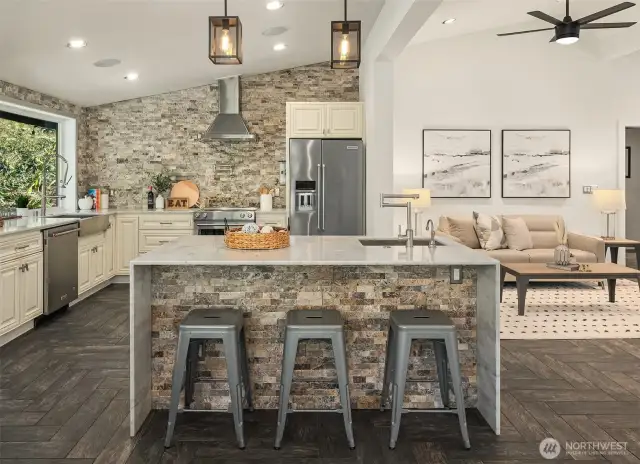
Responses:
[60,266]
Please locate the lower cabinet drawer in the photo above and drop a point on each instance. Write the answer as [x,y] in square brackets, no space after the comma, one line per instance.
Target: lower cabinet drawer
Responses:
[166,221]
[150,239]
[16,246]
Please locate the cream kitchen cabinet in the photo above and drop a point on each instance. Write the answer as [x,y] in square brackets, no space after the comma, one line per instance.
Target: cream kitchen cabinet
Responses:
[127,242]
[21,287]
[272,218]
[91,262]
[109,249]
[342,120]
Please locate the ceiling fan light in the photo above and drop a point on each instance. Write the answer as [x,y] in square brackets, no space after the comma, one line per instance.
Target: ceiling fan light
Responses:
[567,40]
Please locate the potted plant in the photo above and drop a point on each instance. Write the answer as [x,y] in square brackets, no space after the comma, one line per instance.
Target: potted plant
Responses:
[161,182]
[22,205]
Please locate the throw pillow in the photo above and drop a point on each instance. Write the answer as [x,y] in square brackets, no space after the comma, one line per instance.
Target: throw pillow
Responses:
[462,229]
[517,232]
[489,231]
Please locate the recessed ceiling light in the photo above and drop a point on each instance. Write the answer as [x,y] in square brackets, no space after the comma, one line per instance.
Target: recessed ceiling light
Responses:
[132,76]
[279,47]
[107,63]
[275,5]
[76,43]
[270,32]
[449,21]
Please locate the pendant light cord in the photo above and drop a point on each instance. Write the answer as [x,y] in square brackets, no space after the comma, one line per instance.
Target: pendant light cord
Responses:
[567,7]
[225,7]
[345,10]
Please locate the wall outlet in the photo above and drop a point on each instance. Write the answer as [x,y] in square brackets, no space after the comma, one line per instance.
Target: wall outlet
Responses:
[588,189]
[276,192]
[456,274]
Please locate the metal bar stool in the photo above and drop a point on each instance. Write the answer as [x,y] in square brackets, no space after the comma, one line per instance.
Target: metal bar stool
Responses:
[314,324]
[406,326]
[200,325]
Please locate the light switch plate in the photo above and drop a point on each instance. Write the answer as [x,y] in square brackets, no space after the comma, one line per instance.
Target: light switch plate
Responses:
[588,189]
[456,274]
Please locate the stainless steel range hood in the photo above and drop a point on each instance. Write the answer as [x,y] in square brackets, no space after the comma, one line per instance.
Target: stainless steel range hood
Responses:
[228,124]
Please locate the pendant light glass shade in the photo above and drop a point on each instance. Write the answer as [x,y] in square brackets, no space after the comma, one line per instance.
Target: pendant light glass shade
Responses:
[345,43]
[225,39]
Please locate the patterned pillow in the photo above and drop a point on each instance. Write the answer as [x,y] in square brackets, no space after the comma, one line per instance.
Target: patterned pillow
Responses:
[489,231]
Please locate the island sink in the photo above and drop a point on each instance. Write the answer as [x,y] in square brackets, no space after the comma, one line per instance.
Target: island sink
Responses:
[389,242]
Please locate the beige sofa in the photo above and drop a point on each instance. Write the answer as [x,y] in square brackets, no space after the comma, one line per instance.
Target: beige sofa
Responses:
[547,232]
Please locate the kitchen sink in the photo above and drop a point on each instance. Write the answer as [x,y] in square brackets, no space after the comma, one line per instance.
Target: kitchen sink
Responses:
[89,224]
[389,242]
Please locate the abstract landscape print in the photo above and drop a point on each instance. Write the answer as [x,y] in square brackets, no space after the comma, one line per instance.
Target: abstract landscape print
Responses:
[457,163]
[536,163]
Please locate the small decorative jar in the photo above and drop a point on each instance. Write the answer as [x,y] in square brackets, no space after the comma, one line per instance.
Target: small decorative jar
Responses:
[562,255]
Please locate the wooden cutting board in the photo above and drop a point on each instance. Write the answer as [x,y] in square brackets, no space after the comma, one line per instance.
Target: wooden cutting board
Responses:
[186,189]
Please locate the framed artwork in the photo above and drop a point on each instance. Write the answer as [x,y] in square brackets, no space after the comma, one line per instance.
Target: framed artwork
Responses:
[536,163]
[456,163]
[627,169]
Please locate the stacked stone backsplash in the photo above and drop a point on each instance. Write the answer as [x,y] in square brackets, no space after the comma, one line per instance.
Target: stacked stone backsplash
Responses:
[36,98]
[121,143]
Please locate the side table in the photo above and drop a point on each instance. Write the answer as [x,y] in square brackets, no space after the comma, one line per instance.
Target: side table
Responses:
[615,244]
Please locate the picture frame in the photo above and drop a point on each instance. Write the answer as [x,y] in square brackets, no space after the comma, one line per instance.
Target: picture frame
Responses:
[627,166]
[177,203]
[456,163]
[536,163]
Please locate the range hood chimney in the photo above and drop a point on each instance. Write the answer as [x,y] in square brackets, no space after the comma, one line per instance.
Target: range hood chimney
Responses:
[228,124]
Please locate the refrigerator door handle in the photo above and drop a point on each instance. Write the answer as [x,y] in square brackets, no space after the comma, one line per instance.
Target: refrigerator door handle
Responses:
[323,176]
[318,210]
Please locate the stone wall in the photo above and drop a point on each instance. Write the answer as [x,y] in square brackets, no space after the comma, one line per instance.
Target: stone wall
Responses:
[121,143]
[37,98]
[364,296]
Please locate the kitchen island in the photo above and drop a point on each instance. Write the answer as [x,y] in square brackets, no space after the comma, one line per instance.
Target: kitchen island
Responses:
[364,282]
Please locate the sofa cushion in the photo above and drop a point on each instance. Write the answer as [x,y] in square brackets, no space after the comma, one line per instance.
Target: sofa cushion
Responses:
[517,232]
[506,255]
[461,229]
[584,256]
[547,231]
[489,231]
[540,255]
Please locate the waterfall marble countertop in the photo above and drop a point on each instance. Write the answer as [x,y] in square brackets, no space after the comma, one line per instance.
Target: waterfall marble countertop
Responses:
[203,250]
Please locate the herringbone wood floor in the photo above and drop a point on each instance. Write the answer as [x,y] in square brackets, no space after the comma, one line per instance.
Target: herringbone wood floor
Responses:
[64,390]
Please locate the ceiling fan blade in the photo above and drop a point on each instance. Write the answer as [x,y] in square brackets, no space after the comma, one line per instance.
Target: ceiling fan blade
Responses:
[545,17]
[603,13]
[606,25]
[553,39]
[526,32]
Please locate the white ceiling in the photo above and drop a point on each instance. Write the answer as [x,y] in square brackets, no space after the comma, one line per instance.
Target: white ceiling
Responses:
[498,16]
[165,41]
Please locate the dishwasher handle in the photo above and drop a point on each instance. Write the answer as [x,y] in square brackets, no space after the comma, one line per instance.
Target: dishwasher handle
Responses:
[60,234]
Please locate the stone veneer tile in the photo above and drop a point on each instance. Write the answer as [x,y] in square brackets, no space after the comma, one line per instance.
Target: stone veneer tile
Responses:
[364,296]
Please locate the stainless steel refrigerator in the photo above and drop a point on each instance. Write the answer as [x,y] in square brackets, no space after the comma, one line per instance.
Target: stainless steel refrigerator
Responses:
[327,187]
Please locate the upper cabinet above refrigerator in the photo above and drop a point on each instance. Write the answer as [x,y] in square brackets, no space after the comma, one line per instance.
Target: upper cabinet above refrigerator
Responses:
[335,120]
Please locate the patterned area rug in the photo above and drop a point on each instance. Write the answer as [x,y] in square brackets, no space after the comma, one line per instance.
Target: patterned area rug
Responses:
[571,311]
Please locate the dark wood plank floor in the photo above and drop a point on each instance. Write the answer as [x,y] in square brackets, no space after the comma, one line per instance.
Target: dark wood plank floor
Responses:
[64,391]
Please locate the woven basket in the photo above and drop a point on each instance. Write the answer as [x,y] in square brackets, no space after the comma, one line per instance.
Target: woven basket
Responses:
[238,240]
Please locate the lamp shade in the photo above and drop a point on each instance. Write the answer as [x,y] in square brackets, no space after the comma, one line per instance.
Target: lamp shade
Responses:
[425,197]
[609,200]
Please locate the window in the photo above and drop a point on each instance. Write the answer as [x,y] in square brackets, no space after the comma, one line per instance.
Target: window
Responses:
[27,145]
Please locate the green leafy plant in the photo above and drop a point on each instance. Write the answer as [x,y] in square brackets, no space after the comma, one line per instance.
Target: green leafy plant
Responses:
[22,201]
[161,182]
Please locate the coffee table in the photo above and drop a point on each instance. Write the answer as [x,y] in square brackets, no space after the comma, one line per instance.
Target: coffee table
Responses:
[523,272]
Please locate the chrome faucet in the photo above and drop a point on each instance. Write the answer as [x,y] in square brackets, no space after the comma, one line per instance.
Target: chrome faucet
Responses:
[430,228]
[63,183]
[409,231]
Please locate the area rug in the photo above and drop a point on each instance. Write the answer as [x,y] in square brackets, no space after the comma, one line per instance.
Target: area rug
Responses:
[571,311]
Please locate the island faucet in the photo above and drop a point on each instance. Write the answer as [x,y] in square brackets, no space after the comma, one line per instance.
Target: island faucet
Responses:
[430,228]
[409,230]
[63,183]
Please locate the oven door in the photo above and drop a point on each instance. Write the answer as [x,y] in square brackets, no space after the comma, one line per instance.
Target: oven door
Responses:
[213,229]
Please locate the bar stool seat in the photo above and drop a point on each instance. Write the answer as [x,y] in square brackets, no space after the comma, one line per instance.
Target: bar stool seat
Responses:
[404,327]
[314,324]
[200,325]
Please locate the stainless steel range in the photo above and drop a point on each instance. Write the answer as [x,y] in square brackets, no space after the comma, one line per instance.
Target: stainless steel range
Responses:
[212,221]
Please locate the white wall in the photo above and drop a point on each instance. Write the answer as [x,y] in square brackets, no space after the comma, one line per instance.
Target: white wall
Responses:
[483,82]
[633,184]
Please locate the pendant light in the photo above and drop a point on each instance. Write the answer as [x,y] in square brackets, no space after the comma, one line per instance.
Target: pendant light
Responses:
[225,39]
[345,43]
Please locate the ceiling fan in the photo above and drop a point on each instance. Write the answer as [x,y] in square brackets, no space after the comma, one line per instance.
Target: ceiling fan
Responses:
[568,30]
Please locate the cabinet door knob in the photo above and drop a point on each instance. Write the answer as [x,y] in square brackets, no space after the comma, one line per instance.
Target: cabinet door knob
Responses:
[26,267]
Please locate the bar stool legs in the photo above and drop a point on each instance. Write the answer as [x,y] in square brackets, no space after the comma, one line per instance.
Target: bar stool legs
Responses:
[179,368]
[286,379]
[340,356]
[401,363]
[442,364]
[232,353]
[452,352]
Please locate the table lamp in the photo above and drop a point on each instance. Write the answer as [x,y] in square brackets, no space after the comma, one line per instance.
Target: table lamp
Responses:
[609,202]
[424,201]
